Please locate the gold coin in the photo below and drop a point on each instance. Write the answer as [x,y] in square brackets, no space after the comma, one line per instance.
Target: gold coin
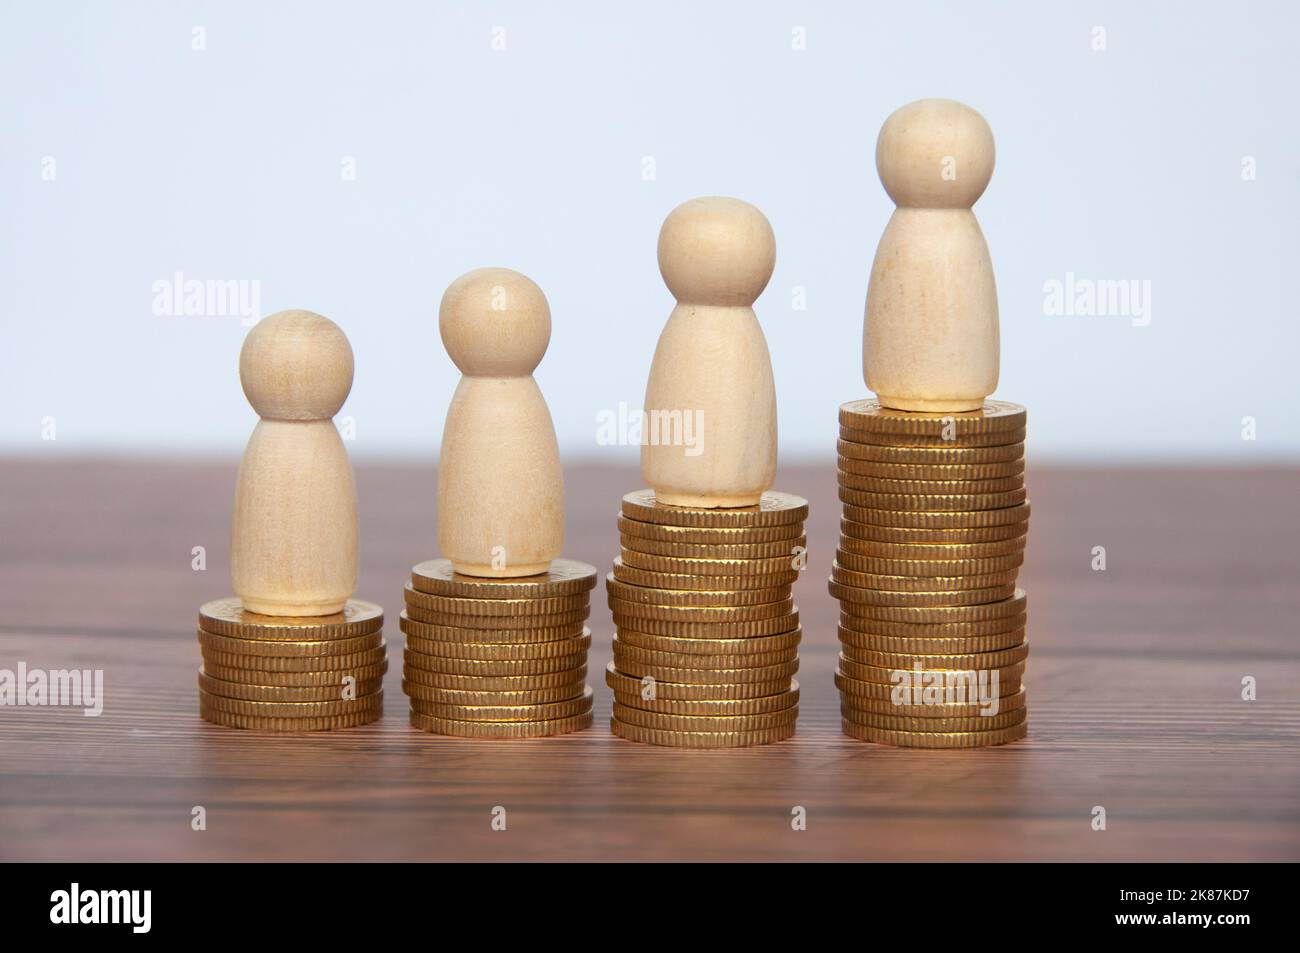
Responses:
[932,631]
[543,712]
[892,598]
[500,729]
[977,440]
[285,693]
[655,547]
[491,651]
[456,605]
[652,689]
[460,666]
[453,696]
[942,472]
[446,633]
[728,724]
[626,594]
[953,691]
[876,697]
[926,645]
[764,610]
[932,430]
[774,509]
[229,617]
[946,504]
[927,488]
[704,535]
[283,648]
[272,709]
[876,485]
[266,663]
[868,580]
[936,739]
[707,567]
[700,739]
[888,674]
[670,581]
[1014,604]
[229,719]
[332,679]
[566,577]
[956,692]
[722,706]
[572,679]
[928,567]
[631,657]
[966,519]
[708,676]
[710,646]
[498,623]
[878,692]
[912,536]
[996,416]
[973,661]
[929,552]
[947,455]
[711,630]
[996,722]
[875,633]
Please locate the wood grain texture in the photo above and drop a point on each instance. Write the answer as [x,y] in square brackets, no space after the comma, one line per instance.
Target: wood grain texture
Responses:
[1134,684]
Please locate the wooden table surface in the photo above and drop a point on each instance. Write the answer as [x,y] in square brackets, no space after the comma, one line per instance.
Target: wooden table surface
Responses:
[1134,696]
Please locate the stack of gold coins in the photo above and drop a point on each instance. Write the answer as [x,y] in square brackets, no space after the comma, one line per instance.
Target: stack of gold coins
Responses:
[932,625]
[707,635]
[274,673]
[498,658]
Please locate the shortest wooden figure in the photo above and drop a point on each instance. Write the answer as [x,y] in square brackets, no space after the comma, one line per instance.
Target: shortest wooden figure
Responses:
[294,547]
[293,651]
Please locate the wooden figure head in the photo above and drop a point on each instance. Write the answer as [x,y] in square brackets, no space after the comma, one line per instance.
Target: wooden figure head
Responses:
[716,251]
[296,365]
[935,153]
[495,323]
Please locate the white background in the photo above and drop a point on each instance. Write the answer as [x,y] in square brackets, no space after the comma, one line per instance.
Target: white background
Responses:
[225,163]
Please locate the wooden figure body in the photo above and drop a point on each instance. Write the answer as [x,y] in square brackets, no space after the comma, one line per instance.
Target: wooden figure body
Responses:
[709,432]
[294,528]
[500,488]
[930,335]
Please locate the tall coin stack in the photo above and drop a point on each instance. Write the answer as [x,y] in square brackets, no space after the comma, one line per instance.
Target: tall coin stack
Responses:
[280,673]
[707,635]
[498,657]
[933,533]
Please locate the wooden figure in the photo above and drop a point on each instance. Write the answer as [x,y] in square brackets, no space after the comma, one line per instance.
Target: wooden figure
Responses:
[709,432]
[294,529]
[930,336]
[500,489]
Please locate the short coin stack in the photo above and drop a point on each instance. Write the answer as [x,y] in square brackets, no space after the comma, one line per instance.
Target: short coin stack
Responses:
[707,634]
[498,658]
[280,673]
[932,538]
